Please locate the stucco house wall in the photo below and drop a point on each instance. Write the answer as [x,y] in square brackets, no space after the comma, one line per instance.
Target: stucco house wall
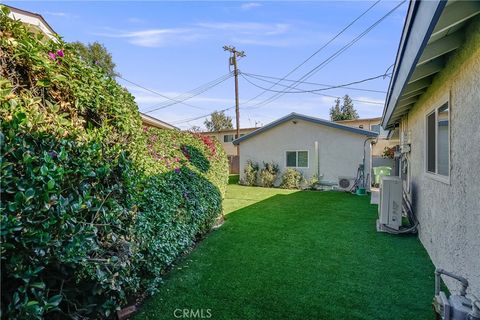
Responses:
[229,148]
[449,212]
[340,151]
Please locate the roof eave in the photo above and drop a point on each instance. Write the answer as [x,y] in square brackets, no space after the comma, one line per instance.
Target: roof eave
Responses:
[420,22]
[298,116]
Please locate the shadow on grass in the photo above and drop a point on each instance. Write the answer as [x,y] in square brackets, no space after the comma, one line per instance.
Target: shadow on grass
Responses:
[304,255]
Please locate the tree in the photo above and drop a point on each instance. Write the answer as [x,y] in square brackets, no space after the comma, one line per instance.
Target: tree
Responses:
[96,54]
[345,112]
[335,111]
[195,129]
[348,110]
[218,121]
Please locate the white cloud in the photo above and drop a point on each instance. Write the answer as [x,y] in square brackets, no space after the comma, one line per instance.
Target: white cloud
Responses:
[265,34]
[254,28]
[155,37]
[135,20]
[57,14]
[250,5]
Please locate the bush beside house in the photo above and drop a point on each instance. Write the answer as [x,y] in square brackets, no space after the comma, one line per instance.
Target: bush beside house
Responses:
[94,208]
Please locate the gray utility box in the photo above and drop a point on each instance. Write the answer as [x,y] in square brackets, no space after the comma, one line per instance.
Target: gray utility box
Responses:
[390,206]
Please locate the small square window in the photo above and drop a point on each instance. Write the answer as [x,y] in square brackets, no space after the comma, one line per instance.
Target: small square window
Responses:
[228,138]
[375,128]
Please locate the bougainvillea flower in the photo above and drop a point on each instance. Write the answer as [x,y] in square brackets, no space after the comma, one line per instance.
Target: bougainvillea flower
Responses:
[177,170]
[60,53]
[52,55]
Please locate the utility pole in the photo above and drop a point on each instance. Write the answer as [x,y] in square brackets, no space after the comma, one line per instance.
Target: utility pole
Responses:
[234,54]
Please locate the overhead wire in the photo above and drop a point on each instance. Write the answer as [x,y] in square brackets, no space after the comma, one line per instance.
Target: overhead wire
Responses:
[318,67]
[158,93]
[191,94]
[259,77]
[321,94]
[311,90]
[329,59]
[319,50]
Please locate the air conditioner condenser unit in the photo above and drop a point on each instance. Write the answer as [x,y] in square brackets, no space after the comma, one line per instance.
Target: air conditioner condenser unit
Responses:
[345,183]
[390,205]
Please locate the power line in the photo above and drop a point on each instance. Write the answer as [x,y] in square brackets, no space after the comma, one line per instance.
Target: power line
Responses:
[320,49]
[259,77]
[309,91]
[192,93]
[322,94]
[330,58]
[158,93]
[200,117]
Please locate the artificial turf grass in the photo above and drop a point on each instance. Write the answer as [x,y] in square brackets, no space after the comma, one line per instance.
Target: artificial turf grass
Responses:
[299,255]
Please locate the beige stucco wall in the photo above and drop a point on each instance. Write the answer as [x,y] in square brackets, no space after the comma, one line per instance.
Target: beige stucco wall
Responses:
[340,151]
[229,147]
[449,213]
[382,142]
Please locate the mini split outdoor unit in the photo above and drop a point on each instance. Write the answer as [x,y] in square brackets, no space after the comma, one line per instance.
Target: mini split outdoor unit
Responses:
[345,183]
[390,207]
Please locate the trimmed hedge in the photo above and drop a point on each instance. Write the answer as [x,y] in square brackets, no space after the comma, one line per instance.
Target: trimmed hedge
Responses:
[94,208]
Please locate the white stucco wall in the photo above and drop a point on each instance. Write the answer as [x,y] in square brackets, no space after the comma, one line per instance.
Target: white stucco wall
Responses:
[340,151]
[449,213]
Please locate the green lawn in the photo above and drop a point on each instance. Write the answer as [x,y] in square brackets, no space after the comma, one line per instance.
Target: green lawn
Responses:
[299,255]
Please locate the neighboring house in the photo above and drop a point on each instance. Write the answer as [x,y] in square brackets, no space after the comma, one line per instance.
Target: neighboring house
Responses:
[156,123]
[382,142]
[226,137]
[34,21]
[372,124]
[433,105]
[311,145]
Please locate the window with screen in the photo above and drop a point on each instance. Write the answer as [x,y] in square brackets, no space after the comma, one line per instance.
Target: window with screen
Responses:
[228,138]
[291,158]
[297,159]
[437,141]
[375,128]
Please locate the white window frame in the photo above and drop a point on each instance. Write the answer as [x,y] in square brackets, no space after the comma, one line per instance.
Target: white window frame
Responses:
[296,152]
[435,175]
[225,135]
[379,128]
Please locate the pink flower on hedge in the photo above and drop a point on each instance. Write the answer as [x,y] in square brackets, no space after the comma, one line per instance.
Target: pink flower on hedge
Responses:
[60,53]
[177,170]
[52,55]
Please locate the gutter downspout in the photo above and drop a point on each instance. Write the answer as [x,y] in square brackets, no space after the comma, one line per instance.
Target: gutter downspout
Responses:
[364,167]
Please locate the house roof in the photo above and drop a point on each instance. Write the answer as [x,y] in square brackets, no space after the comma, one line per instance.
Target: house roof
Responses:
[34,19]
[154,122]
[433,30]
[359,120]
[303,117]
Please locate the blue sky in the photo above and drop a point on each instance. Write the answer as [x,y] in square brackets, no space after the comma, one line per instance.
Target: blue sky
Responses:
[173,47]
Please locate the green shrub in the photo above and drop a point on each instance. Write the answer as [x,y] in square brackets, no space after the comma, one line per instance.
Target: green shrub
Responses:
[291,179]
[250,173]
[93,207]
[268,175]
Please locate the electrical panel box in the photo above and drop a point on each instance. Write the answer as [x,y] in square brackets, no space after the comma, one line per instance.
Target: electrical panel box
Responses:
[390,206]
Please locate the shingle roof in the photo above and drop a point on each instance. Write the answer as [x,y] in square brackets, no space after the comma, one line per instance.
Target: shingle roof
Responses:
[303,117]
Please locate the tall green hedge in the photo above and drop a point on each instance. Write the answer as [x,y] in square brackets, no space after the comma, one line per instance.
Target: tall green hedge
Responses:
[94,207]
